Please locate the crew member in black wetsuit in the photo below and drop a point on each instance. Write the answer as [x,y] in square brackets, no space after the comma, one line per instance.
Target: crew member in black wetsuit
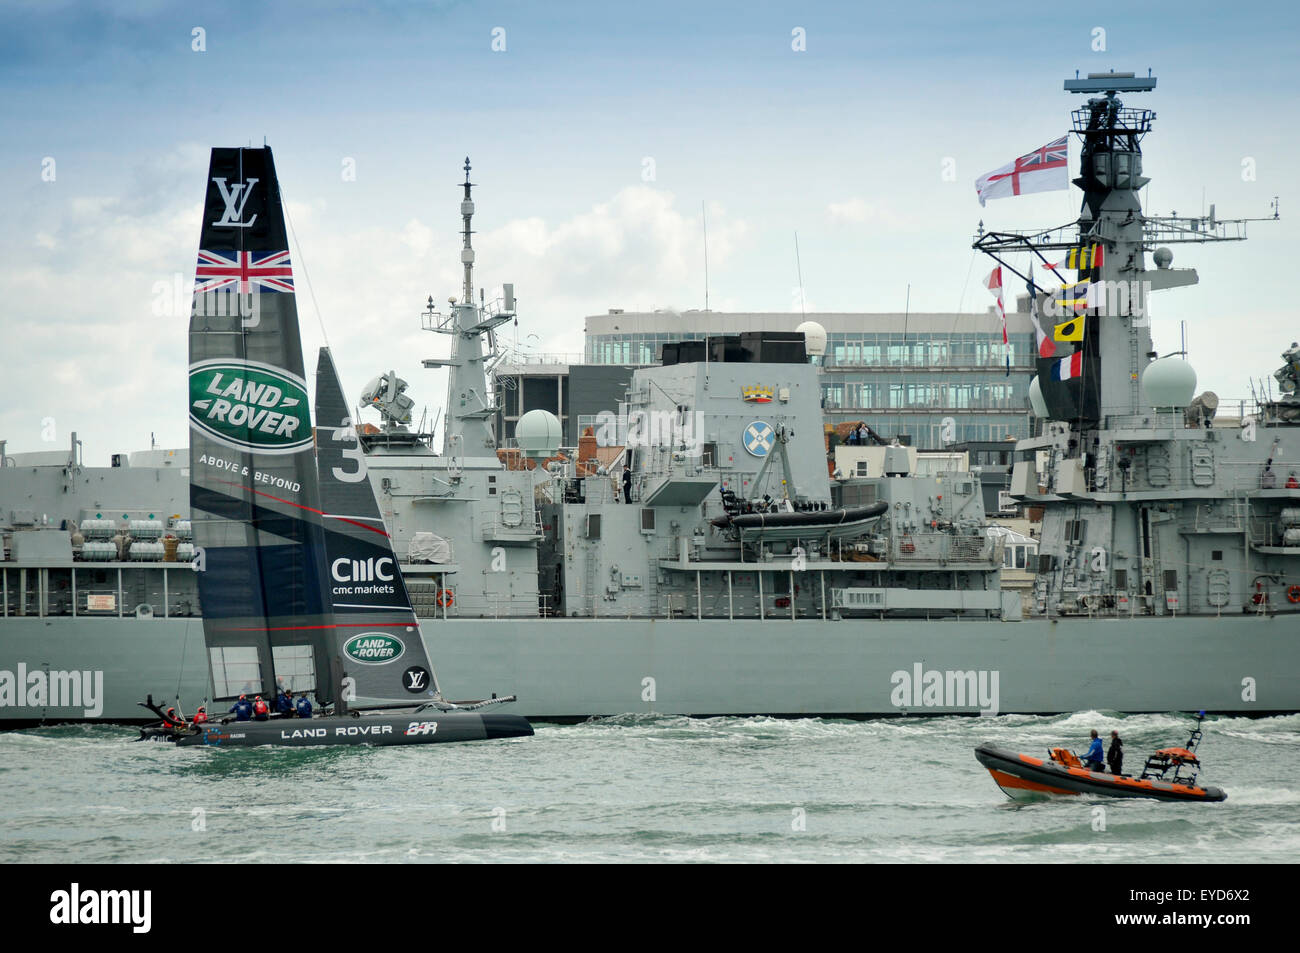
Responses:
[1115,756]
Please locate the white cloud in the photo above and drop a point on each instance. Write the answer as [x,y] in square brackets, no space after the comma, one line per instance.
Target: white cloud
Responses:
[857,211]
[93,355]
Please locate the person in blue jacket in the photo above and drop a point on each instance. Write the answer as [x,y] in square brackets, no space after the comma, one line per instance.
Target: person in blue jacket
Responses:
[284,703]
[243,709]
[1093,759]
[303,706]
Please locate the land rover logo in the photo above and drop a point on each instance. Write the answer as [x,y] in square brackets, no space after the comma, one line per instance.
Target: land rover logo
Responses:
[248,405]
[373,648]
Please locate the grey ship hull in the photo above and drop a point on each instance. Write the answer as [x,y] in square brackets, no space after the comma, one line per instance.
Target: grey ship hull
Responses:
[577,668]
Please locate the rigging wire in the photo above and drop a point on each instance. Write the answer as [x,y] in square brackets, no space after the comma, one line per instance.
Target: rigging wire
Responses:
[302,261]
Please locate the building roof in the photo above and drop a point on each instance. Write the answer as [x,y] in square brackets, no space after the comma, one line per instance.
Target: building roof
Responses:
[835,322]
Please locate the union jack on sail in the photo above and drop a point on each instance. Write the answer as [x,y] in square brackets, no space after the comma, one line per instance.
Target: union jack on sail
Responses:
[252,270]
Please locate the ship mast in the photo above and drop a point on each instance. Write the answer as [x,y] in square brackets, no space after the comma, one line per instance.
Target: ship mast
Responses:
[467,431]
[467,250]
[1112,227]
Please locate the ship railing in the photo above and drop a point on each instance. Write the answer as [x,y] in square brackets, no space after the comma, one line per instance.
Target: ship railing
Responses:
[1124,120]
[146,590]
[943,548]
[513,359]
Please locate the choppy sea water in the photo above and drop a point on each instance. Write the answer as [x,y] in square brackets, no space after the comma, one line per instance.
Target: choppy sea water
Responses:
[642,789]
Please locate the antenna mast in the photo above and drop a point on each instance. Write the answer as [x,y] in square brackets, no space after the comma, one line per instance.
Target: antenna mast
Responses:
[705,217]
[467,251]
[799,268]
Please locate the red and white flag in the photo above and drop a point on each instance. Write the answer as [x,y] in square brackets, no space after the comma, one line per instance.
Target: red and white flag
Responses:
[1046,347]
[1042,170]
[994,283]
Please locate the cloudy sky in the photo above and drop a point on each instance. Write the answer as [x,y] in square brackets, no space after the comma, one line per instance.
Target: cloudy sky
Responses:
[597,132]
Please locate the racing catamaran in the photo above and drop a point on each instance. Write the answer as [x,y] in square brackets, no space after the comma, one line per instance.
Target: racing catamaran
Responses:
[294,565]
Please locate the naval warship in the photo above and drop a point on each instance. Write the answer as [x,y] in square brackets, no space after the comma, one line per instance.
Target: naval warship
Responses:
[736,574]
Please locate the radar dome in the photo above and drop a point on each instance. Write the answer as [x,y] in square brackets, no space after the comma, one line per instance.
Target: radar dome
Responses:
[1169,383]
[537,434]
[1036,400]
[814,337]
[1163,257]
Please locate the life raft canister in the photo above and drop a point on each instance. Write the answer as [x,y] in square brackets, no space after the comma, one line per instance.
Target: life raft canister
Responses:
[1293,594]
[445,599]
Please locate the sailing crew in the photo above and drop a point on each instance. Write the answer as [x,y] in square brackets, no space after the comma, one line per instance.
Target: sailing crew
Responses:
[1115,756]
[1292,483]
[201,715]
[175,720]
[243,709]
[284,703]
[303,706]
[261,711]
[1092,760]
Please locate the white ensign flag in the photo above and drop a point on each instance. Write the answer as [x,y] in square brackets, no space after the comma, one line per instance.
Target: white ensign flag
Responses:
[1042,170]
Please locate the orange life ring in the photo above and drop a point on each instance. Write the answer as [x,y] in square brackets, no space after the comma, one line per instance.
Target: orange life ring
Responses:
[445,599]
[1293,594]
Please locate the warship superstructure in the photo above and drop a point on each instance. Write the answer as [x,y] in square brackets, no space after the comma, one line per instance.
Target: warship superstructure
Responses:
[696,554]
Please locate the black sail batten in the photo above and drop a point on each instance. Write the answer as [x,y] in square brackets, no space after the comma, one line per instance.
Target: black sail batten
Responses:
[255,507]
[378,640]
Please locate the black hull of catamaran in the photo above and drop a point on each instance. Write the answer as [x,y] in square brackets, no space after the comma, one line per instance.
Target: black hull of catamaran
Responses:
[381,730]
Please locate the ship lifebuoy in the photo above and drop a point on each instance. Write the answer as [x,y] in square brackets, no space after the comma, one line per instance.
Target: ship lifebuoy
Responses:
[445,599]
[1293,594]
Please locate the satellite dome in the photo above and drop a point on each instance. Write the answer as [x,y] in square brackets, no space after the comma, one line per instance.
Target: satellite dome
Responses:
[814,337]
[1169,382]
[1163,257]
[1036,400]
[537,434]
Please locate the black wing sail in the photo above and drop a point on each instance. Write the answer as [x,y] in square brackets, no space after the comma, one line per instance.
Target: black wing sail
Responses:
[378,636]
[253,493]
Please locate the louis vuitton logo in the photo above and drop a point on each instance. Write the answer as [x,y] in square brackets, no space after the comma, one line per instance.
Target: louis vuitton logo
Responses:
[236,198]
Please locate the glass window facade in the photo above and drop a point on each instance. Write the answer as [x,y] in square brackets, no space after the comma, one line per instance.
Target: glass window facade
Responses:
[901,384]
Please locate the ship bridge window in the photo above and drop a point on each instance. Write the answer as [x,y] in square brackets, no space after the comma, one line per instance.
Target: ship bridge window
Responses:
[1217,555]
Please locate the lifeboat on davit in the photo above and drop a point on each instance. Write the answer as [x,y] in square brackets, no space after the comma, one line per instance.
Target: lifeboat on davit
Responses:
[1169,774]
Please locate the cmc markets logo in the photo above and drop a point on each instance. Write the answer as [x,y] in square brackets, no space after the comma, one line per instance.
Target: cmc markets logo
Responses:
[374,648]
[248,405]
[358,570]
